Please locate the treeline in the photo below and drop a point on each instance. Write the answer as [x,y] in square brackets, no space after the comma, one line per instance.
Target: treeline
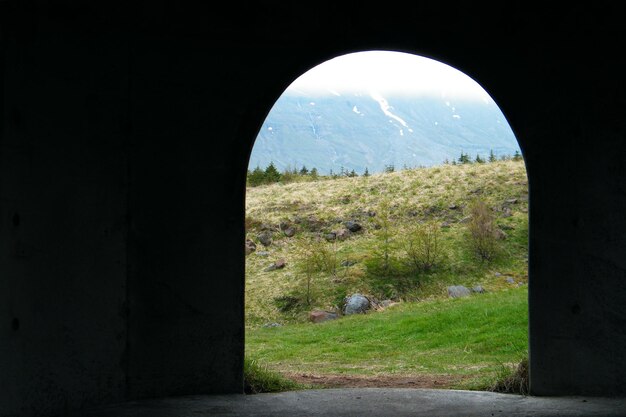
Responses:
[465,158]
[269,175]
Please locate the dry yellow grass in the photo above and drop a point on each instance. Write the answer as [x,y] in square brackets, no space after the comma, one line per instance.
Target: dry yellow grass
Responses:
[315,208]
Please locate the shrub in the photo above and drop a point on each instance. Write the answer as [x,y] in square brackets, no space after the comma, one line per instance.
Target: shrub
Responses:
[482,231]
[424,247]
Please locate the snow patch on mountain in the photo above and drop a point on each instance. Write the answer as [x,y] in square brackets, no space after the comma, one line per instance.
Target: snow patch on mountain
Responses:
[384,106]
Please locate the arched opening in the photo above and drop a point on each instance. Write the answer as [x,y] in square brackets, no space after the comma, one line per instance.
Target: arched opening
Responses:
[391,185]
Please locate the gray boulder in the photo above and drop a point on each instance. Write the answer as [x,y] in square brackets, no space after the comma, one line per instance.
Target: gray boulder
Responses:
[457,291]
[356,304]
[353,226]
[265,238]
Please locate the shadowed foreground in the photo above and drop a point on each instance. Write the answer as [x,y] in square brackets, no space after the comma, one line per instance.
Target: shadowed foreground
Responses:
[368,402]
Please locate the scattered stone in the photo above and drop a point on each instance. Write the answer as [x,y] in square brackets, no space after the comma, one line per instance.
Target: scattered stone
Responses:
[289,232]
[343,234]
[500,235]
[445,225]
[268,325]
[371,213]
[356,304]
[284,226]
[387,303]
[457,291]
[353,226]
[265,238]
[511,201]
[498,274]
[453,206]
[347,262]
[330,236]
[262,253]
[250,246]
[507,212]
[478,289]
[510,280]
[279,264]
[319,316]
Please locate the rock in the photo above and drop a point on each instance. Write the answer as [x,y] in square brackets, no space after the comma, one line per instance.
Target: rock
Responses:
[343,234]
[272,325]
[250,246]
[510,280]
[499,233]
[355,304]
[387,303]
[457,291]
[289,232]
[347,262]
[353,226]
[262,253]
[265,238]
[453,206]
[511,201]
[283,226]
[478,289]
[279,264]
[319,316]
[330,236]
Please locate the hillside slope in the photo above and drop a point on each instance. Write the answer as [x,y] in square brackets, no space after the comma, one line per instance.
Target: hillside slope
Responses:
[309,220]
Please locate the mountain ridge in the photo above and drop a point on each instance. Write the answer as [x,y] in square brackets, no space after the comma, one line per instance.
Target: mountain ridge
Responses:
[368,129]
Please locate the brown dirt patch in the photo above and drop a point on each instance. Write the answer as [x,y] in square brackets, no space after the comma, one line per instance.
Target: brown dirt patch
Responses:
[378,381]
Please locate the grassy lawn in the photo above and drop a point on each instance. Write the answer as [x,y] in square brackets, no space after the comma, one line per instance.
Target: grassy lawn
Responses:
[473,338]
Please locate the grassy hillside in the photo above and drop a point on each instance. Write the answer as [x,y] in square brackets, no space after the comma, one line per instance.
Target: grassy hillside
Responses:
[462,343]
[391,208]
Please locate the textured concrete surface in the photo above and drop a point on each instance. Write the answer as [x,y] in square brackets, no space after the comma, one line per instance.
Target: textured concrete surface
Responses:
[368,402]
[125,132]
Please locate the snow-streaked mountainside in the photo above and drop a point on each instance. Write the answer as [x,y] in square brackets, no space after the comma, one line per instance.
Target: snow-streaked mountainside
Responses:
[358,130]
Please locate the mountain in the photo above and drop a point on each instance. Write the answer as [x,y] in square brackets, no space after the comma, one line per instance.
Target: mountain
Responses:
[359,130]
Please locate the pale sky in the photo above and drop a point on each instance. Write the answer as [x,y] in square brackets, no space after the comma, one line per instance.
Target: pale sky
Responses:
[387,72]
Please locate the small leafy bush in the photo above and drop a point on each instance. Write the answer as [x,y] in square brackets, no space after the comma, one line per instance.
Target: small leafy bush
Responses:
[482,231]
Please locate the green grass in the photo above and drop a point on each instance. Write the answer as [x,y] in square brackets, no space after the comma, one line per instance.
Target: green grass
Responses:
[258,379]
[472,338]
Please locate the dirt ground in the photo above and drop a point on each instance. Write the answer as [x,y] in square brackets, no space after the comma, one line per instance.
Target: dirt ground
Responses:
[380,381]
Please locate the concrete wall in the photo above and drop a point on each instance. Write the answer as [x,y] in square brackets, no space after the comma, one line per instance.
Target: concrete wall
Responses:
[126,129]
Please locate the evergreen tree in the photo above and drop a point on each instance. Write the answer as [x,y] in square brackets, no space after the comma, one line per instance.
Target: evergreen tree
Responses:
[390,168]
[304,170]
[256,177]
[479,160]
[464,158]
[517,156]
[313,173]
[352,174]
[272,174]
[492,156]
[366,173]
